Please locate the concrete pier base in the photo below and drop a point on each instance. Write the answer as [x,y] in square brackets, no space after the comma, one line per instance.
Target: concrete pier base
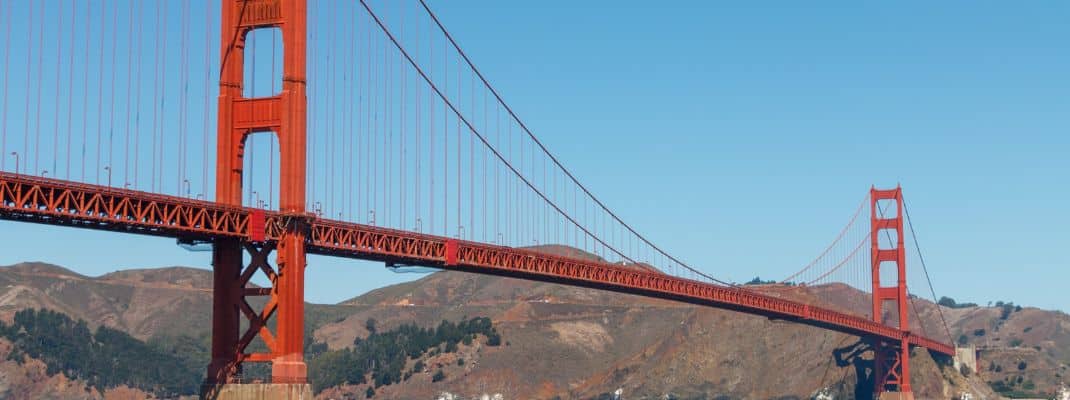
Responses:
[966,356]
[257,391]
[897,396]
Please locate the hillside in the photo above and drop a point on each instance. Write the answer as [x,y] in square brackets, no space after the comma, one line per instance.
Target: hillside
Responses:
[571,342]
[139,302]
[145,303]
[581,343]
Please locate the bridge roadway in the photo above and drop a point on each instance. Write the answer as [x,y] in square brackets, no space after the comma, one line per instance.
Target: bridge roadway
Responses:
[58,202]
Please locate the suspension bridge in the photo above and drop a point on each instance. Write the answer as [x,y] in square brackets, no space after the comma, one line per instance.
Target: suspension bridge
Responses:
[355,129]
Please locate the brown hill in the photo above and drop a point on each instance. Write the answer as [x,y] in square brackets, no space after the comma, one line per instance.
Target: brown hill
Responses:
[580,343]
[573,342]
[142,302]
[139,302]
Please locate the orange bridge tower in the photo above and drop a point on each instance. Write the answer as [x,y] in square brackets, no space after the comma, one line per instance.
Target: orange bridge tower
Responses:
[284,115]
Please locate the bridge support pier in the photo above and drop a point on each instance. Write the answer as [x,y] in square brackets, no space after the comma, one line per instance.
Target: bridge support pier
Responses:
[258,391]
[896,396]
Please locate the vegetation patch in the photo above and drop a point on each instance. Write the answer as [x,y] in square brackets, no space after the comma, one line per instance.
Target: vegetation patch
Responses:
[381,358]
[105,358]
[950,303]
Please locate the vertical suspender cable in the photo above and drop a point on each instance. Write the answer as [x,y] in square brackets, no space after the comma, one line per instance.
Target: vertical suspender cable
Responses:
[374,144]
[472,168]
[486,127]
[353,98]
[347,115]
[26,114]
[85,90]
[313,94]
[364,142]
[431,127]
[328,143]
[364,203]
[55,106]
[157,49]
[100,97]
[497,176]
[163,101]
[373,140]
[460,83]
[207,89]
[111,93]
[510,205]
[445,147]
[183,112]
[357,122]
[40,87]
[4,94]
[129,79]
[387,136]
[419,133]
[378,78]
[137,100]
[271,140]
[70,88]
[401,132]
[354,116]
[522,200]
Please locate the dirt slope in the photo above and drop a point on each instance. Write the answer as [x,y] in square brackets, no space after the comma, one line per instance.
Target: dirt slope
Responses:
[581,343]
[570,342]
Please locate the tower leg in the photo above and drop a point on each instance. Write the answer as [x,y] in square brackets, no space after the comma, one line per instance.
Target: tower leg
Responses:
[226,266]
[285,346]
[891,370]
[288,364]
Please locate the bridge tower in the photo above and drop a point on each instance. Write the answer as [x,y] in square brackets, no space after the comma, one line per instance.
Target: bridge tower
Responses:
[284,115]
[891,363]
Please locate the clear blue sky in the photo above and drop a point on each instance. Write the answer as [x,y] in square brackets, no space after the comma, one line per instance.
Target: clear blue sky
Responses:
[741,137]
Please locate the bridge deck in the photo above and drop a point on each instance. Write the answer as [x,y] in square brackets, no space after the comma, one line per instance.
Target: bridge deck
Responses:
[57,202]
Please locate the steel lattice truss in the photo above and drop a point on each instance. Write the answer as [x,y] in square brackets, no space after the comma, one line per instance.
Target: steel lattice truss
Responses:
[56,202]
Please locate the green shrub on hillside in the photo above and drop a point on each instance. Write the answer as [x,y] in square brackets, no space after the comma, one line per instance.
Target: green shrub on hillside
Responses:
[106,358]
[950,303]
[384,354]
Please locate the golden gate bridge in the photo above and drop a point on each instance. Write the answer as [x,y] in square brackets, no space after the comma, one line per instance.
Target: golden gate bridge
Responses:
[354,129]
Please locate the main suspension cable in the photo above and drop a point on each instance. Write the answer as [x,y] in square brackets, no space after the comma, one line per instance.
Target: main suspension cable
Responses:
[556,162]
[917,247]
[524,179]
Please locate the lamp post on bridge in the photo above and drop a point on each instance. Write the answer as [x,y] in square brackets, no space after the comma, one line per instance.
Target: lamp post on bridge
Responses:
[16,154]
[186,182]
[44,173]
[108,169]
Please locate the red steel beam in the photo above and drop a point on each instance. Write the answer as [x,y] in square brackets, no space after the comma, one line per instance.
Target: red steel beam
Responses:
[57,202]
